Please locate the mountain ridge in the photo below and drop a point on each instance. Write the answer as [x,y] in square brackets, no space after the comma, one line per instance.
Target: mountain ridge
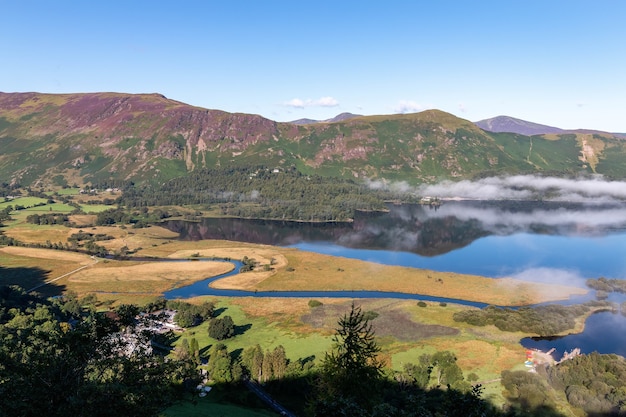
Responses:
[340,117]
[94,137]
[500,124]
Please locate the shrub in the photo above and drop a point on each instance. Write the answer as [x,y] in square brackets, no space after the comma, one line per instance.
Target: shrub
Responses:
[314,303]
[370,315]
[421,304]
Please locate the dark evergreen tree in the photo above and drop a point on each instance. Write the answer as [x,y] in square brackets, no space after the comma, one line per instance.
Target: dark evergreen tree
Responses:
[351,373]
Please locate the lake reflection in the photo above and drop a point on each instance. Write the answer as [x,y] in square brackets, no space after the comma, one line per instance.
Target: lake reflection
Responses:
[556,242]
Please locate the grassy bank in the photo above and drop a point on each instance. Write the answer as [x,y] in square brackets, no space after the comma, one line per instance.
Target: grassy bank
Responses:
[278,269]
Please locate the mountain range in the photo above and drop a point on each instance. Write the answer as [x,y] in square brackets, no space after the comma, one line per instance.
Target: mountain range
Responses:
[340,117]
[512,125]
[56,139]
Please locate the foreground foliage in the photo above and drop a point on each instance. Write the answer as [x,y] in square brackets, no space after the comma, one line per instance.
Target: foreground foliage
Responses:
[595,383]
[352,381]
[59,360]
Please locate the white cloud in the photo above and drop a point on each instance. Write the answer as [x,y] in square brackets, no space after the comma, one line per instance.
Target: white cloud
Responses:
[408,106]
[295,102]
[327,102]
[320,102]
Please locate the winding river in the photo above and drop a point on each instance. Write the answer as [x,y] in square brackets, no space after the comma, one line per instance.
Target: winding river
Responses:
[547,242]
[204,288]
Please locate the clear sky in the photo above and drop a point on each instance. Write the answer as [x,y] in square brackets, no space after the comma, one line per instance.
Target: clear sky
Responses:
[556,62]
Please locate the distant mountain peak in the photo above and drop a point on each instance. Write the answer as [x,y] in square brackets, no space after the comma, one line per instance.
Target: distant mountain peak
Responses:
[512,125]
[340,117]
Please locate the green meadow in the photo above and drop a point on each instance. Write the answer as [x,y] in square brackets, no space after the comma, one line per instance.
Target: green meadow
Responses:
[299,342]
[23,201]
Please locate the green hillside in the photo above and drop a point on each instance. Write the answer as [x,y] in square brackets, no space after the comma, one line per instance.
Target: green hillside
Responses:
[87,138]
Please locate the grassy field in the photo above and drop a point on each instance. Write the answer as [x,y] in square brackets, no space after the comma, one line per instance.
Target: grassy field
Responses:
[29,267]
[141,277]
[287,269]
[26,232]
[276,328]
[50,208]
[323,272]
[404,331]
[23,201]
[214,404]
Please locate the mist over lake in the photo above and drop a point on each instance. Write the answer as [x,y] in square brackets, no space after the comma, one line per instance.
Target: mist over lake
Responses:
[537,241]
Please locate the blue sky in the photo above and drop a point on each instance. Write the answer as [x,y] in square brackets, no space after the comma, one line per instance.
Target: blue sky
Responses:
[561,63]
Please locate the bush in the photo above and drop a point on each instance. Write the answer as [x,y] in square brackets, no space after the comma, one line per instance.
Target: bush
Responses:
[314,303]
[370,315]
[421,304]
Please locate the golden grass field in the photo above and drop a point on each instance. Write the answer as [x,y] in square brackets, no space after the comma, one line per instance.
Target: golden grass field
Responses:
[290,269]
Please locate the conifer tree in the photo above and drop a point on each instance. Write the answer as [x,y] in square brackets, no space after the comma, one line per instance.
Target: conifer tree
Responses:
[351,372]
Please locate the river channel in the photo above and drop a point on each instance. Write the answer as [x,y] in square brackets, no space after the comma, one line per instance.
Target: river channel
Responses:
[548,242]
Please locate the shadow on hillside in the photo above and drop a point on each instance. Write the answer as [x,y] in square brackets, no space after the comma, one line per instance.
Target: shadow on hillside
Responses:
[396,399]
[239,330]
[218,311]
[30,278]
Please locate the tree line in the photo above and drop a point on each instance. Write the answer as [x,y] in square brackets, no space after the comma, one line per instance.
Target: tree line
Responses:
[547,320]
[261,192]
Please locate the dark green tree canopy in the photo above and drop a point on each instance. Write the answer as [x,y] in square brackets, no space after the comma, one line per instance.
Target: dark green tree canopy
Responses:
[54,362]
[352,370]
[222,328]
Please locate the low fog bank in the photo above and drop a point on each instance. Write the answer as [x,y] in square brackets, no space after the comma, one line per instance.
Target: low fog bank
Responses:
[529,187]
[591,220]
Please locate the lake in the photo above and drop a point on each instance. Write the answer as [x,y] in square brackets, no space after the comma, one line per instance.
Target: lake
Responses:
[533,241]
[555,242]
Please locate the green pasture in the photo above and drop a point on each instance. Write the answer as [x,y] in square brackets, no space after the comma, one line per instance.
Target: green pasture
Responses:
[30,206]
[50,208]
[261,331]
[23,201]
[33,205]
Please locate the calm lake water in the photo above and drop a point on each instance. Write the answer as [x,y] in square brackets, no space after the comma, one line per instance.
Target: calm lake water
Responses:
[534,241]
[547,242]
